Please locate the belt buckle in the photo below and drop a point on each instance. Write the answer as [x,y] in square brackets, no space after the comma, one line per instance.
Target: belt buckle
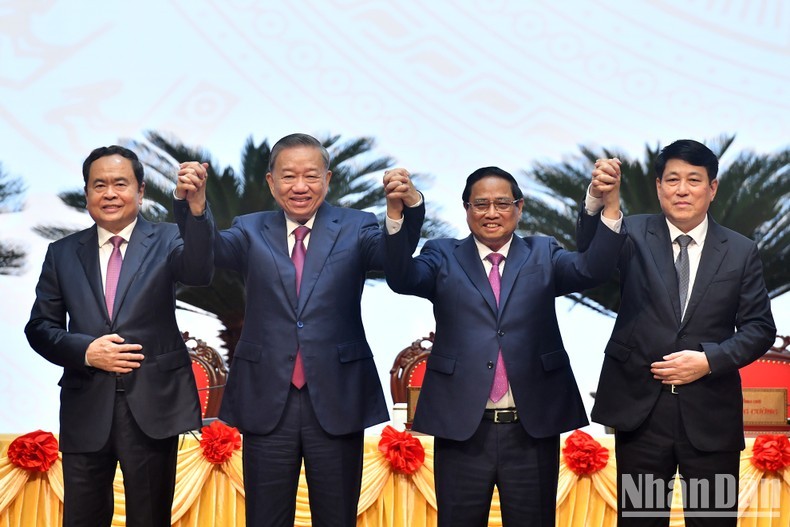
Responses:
[674,391]
[512,414]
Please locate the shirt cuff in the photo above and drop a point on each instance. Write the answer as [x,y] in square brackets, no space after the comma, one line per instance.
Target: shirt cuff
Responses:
[613,224]
[592,205]
[393,226]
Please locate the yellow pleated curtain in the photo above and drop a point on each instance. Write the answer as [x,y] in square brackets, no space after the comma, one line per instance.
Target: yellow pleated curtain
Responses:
[209,494]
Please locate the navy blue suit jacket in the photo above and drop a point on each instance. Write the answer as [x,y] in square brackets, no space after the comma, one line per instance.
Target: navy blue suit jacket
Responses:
[161,393]
[728,317]
[325,321]
[470,329]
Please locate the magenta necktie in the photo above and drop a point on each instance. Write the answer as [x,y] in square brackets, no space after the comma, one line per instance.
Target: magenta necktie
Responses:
[297,378]
[113,272]
[499,388]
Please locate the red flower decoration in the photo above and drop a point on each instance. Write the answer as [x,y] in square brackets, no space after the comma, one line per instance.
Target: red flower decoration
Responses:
[219,441]
[771,452]
[34,451]
[583,454]
[404,451]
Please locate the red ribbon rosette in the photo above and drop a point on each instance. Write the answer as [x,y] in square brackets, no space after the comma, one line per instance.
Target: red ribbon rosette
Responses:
[219,441]
[771,452]
[34,451]
[403,451]
[583,454]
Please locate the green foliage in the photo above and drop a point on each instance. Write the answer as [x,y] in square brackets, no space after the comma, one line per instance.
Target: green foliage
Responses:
[12,257]
[752,199]
[354,184]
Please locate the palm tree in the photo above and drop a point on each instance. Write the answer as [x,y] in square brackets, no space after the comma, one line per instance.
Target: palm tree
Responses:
[752,199]
[11,190]
[231,194]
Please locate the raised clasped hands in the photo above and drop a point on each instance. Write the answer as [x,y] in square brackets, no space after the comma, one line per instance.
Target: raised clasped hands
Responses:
[191,185]
[109,353]
[399,191]
[606,185]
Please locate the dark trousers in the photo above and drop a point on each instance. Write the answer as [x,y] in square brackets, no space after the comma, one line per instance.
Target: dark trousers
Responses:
[524,469]
[149,476]
[647,459]
[272,462]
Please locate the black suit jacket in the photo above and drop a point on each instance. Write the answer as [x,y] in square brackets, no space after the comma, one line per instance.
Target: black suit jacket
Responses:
[69,313]
[470,328]
[325,321]
[728,317]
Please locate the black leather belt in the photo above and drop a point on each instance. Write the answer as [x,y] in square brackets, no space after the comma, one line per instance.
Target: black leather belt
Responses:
[671,388]
[504,416]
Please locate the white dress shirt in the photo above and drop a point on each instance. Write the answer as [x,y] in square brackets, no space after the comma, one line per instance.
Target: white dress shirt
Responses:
[290,227]
[105,250]
[483,251]
[105,247]
[698,235]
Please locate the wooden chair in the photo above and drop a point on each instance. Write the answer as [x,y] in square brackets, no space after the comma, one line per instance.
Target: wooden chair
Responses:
[408,372]
[210,375]
[772,370]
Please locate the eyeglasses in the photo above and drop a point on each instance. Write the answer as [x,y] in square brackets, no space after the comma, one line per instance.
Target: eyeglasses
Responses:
[481,206]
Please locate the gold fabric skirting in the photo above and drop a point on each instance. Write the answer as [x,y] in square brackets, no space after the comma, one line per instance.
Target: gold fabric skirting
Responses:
[212,495]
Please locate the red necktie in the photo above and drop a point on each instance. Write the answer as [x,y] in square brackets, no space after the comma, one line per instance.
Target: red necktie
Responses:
[499,388]
[297,378]
[113,272]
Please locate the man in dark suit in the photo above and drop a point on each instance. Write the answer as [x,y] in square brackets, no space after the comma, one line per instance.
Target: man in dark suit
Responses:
[105,312]
[694,309]
[303,384]
[498,387]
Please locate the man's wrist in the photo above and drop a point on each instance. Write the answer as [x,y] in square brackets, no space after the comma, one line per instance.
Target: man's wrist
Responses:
[592,205]
[419,201]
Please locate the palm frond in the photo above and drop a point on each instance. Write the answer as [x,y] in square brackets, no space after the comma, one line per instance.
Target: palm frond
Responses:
[752,199]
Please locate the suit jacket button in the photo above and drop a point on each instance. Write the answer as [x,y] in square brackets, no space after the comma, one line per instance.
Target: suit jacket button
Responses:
[299,324]
[290,358]
[500,333]
[490,364]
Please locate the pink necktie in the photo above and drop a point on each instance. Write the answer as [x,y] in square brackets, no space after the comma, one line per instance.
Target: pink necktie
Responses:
[113,272]
[297,378]
[499,388]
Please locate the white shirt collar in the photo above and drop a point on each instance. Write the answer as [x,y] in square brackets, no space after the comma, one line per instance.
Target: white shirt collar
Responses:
[483,250]
[697,234]
[105,235]
[291,225]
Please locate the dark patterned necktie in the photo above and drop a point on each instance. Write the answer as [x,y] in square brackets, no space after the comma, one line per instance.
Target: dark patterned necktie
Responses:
[113,272]
[682,268]
[499,388]
[297,256]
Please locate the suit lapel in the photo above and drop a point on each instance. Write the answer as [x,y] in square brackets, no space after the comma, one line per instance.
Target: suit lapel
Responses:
[661,248]
[469,259]
[88,255]
[516,258]
[323,236]
[713,253]
[136,252]
[276,236]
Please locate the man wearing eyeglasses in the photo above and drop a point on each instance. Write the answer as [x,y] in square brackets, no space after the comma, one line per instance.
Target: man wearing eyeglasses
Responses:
[498,388]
